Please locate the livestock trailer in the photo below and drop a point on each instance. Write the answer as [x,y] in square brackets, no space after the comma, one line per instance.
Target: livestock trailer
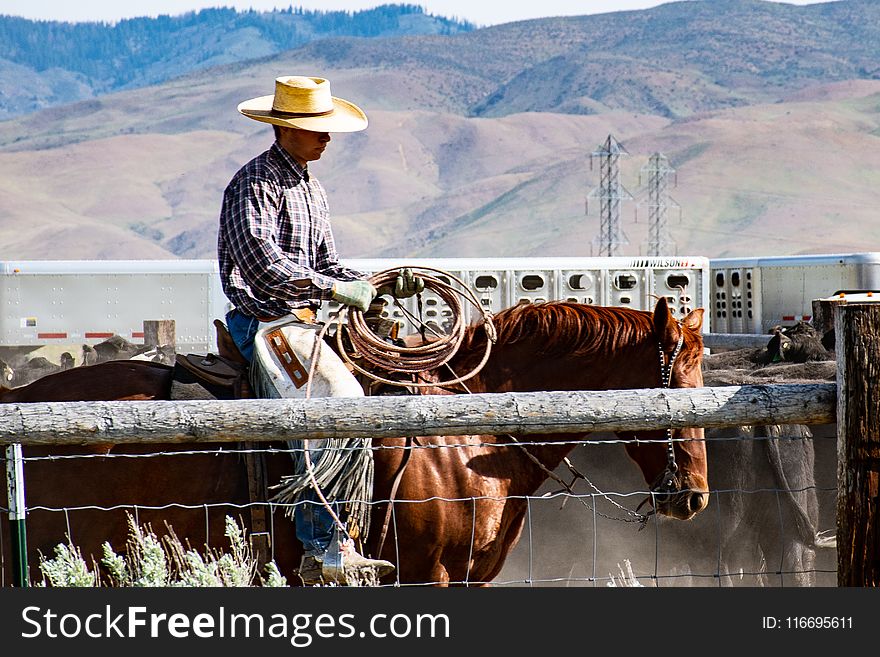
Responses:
[752,295]
[74,302]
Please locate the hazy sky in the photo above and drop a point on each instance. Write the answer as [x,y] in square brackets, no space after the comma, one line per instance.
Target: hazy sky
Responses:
[481,12]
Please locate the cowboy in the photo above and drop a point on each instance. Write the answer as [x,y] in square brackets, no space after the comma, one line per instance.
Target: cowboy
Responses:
[278,262]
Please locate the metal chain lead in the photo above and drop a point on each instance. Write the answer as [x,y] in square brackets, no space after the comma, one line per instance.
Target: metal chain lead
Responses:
[667,483]
[667,477]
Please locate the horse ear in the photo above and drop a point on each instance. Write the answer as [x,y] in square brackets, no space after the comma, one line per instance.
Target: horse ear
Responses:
[694,320]
[665,327]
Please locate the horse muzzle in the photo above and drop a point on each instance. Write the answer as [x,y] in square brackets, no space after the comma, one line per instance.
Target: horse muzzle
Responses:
[681,505]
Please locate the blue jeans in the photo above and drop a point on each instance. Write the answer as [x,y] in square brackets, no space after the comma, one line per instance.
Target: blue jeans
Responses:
[242,328]
[314,524]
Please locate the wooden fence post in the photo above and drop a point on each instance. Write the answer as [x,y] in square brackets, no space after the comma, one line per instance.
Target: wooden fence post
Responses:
[823,314]
[159,333]
[857,332]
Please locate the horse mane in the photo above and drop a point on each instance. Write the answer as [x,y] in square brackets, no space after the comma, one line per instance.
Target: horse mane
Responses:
[562,328]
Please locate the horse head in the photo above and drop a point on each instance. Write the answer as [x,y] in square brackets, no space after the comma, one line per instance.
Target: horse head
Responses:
[571,346]
[673,462]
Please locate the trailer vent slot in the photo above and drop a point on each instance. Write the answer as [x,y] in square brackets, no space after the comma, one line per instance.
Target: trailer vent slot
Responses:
[625,281]
[579,282]
[486,282]
[675,281]
[532,282]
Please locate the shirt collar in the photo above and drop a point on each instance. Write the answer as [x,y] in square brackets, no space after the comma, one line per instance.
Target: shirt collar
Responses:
[299,172]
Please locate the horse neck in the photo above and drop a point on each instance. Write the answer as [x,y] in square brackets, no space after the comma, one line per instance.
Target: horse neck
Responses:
[524,367]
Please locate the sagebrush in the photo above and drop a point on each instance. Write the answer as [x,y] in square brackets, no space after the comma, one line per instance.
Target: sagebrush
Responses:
[151,561]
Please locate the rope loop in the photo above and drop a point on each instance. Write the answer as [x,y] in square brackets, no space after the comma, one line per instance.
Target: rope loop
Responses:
[433,353]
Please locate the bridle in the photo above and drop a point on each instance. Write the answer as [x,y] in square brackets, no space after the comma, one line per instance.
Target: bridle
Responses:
[666,482]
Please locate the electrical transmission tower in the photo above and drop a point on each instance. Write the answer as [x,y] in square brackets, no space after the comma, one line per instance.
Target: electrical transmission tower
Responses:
[610,193]
[659,202]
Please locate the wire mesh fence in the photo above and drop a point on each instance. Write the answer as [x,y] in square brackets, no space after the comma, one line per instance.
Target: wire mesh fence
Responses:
[752,532]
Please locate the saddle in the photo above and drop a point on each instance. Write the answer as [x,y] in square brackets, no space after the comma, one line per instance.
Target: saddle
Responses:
[223,375]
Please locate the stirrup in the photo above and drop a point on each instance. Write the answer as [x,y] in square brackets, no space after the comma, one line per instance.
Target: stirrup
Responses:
[342,563]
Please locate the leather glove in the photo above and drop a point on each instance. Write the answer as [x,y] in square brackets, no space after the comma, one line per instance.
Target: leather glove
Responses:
[405,285]
[354,293]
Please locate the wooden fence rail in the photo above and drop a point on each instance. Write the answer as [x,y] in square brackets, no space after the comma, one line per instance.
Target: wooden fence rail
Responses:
[491,413]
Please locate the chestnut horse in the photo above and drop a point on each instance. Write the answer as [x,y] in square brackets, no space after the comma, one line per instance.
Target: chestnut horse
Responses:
[457,512]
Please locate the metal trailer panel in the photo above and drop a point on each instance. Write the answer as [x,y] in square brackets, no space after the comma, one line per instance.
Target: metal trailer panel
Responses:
[75,302]
[782,288]
[616,281]
[85,302]
[734,299]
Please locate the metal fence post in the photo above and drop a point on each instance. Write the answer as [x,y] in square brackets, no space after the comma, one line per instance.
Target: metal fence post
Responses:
[17,513]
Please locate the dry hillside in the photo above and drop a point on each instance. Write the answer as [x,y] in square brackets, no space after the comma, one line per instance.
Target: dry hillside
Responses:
[454,165]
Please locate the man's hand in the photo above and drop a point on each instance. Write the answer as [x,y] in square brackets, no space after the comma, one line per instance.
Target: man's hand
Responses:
[405,285]
[354,293]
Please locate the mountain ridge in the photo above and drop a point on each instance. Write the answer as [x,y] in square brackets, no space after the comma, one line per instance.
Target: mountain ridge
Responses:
[91,59]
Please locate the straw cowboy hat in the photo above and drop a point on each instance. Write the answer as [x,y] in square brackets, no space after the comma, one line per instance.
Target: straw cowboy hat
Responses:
[305,103]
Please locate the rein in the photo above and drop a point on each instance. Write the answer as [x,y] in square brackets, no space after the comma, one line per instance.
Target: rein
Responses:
[667,479]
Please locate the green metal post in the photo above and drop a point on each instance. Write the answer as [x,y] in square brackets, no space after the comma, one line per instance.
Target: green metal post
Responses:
[17,513]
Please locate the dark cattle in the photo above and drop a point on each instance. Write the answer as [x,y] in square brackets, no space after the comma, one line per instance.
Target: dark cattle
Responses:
[35,368]
[115,348]
[828,341]
[89,355]
[67,361]
[796,344]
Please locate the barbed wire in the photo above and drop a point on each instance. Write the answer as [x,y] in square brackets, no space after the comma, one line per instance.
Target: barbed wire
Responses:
[222,450]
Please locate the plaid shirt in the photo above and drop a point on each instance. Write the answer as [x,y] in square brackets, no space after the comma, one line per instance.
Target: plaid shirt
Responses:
[275,246]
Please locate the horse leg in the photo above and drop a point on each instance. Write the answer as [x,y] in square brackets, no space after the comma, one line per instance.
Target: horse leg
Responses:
[801,560]
[741,557]
[792,557]
[439,575]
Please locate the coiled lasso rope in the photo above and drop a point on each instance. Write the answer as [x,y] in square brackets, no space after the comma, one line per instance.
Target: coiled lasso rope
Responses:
[392,358]
[431,355]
